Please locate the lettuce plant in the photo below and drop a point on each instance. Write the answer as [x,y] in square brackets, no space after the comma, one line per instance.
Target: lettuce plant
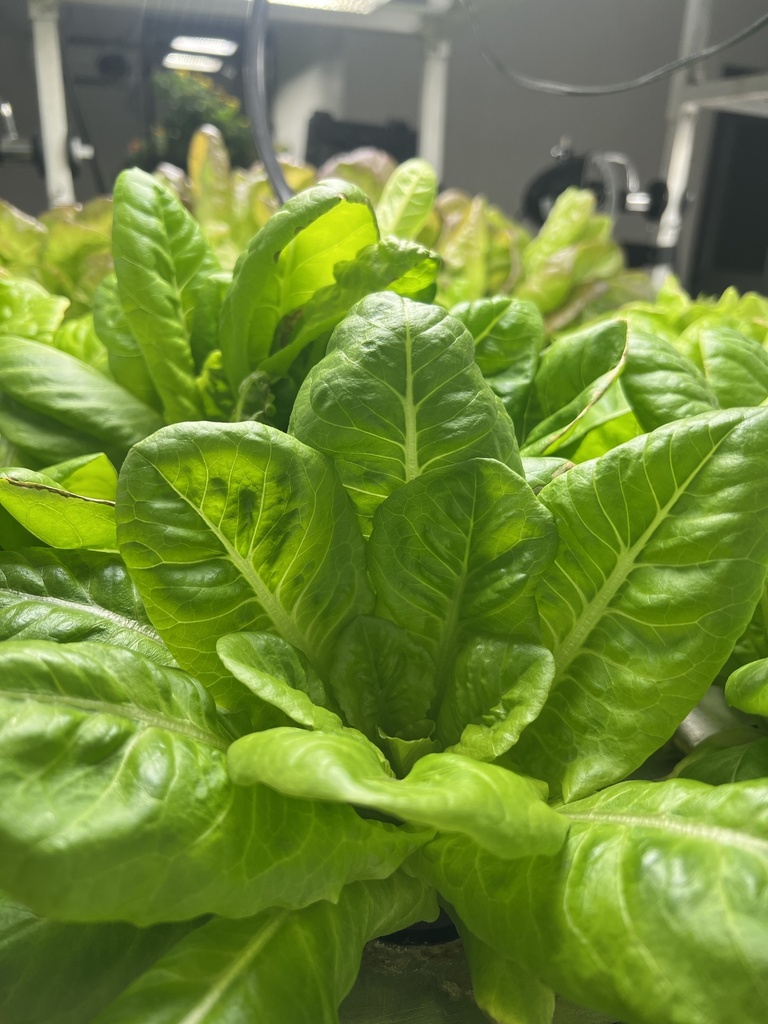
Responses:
[332,676]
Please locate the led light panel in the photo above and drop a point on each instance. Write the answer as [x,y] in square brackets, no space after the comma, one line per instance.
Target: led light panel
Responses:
[193,62]
[347,6]
[204,44]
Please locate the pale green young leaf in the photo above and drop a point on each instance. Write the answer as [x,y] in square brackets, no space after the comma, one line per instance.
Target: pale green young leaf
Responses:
[399,395]
[442,791]
[92,476]
[27,310]
[115,802]
[280,676]
[656,577]
[228,528]
[382,679]
[56,516]
[407,199]
[390,264]
[747,688]
[496,690]
[287,262]
[161,262]
[78,337]
[280,967]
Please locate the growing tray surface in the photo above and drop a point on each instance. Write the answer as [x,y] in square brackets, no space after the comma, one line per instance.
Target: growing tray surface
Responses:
[426,985]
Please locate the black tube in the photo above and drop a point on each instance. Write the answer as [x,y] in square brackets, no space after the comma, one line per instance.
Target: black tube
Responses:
[255,77]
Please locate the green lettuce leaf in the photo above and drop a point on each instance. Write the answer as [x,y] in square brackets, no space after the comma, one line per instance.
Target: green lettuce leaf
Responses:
[115,803]
[63,390]
[161,261]
[655,909]
[747,688]
[398,395]
[509,336]
[654,581]
[53,973]
[239,527]
[282,967]
[56,516]
[70,596]
[407,199]
[458,552]
[287,262]
[126,360]
[28,311]
[442,791]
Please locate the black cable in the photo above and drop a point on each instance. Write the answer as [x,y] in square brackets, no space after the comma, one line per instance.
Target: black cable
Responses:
[255,75]
[564,89]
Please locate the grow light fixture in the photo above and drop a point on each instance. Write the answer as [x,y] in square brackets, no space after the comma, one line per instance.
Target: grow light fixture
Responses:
[345,6]
[206,45]
[193,62]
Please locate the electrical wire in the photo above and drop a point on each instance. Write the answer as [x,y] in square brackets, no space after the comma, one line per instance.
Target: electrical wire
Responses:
[565,89]
[255,74]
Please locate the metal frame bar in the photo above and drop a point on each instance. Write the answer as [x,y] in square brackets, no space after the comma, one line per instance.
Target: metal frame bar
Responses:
[689,94]
[51,99]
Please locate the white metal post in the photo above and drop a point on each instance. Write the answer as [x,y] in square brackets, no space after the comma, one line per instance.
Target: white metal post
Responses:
[44,15]
[434,98]
[682,118]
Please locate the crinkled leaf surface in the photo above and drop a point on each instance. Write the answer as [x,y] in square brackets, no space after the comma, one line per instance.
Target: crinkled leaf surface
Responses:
[442,791]
[161,262]
[53,973]
[287,262]
[78,337]
[496,690]
[279,967]
[277,674]
[398,395]
[509,336]
[239,527]
[28,311]
[457,552]
[654,910]
[663,547]
[383,680]
[115,803]
[70,596]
